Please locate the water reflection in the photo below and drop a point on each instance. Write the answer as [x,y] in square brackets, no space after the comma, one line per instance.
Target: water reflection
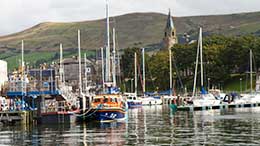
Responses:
[151,125]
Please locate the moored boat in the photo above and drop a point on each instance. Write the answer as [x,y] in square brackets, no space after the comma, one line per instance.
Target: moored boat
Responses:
[132,100]
[204,98]
[107,108]
[153,100]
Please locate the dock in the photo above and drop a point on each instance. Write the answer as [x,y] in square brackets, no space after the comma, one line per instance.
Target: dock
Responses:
[221,106]
[12,117]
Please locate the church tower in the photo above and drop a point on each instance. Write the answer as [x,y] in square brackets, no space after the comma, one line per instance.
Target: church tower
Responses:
[170,37]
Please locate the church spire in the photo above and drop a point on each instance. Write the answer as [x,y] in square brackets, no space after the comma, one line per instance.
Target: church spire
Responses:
[170,37]
[169,24]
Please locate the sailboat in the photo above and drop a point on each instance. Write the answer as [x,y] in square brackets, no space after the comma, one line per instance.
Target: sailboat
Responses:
[205,98]
[152,99]
[110,106]
[133,100]
[252,97]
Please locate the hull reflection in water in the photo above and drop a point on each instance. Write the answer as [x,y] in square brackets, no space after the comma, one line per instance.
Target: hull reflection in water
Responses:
[149,125]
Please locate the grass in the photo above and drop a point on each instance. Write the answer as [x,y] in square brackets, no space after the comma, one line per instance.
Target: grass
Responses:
[233,84]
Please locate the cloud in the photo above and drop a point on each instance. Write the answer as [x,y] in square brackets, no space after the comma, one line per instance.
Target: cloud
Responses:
[17,15]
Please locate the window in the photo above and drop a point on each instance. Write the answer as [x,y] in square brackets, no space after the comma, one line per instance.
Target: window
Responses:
[105,99]
[97,100]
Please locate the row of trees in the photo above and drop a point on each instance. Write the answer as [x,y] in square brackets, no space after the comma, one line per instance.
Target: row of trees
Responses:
[223,57]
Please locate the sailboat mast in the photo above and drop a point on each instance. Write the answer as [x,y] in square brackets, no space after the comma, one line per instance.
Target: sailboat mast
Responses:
[196,69]
[170,64]
[22,66]
[22,55]
[61,65]
[135,74]
[107,77]
[114,58]
[23,77]
[118,67]
[102,68]
[251,72]
[201,61]
[86,73]
[143,56]
[79,59]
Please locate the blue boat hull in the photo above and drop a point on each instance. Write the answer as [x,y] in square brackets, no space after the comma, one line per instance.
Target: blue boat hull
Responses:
[109,115]
[105,115]
[132,104]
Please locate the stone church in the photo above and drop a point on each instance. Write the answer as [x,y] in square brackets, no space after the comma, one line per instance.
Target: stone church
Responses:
[170,37]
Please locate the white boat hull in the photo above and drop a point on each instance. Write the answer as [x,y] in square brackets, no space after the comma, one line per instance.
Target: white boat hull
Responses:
[151,101]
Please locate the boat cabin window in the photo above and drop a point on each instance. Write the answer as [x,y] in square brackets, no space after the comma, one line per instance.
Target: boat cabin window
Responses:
[134,98]
[106,99]
[97,100]
[113,99]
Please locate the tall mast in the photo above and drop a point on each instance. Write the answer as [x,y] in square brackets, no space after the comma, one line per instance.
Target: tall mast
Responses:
[143,70]
[251,72]
[86,73]
[170,64]
[135,74]
[118,67]
[102,68]
[61,65]
[23,78]
[107,77]
[22,56]
[79,59]
[201,62]
[196,69]
[114,58]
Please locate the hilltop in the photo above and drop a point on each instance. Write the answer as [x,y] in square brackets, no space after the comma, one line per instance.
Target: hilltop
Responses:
[136,29]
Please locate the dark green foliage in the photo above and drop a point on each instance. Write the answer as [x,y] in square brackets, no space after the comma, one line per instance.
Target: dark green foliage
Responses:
[223,56]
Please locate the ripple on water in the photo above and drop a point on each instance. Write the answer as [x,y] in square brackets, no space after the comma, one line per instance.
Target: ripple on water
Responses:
[154,125]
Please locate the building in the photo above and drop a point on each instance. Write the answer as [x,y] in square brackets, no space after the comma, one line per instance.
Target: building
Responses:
[170,37]
[3,73]
[71,72]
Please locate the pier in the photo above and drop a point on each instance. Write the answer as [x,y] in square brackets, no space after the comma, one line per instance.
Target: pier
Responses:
[221,106]
[12,117]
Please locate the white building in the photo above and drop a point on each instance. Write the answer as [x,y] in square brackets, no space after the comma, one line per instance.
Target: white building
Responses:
[3,73]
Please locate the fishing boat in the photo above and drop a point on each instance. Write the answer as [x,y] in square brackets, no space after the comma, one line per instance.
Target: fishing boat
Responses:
[204,98]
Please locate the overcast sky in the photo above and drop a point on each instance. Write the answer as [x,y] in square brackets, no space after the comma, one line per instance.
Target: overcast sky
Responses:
[16,15]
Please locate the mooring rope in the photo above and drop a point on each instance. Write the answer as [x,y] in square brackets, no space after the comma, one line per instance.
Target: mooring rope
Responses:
[81,115]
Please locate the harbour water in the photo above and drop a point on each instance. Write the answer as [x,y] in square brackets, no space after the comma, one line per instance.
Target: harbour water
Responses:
[155,125]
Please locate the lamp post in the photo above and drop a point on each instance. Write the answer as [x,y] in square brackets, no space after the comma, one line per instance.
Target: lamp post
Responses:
[240,85]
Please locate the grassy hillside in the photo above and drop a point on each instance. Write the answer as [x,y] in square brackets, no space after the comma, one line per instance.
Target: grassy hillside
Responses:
[139,29]
[136,29]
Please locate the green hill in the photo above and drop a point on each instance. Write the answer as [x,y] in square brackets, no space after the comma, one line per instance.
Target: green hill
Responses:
[136,29]
[132,29]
